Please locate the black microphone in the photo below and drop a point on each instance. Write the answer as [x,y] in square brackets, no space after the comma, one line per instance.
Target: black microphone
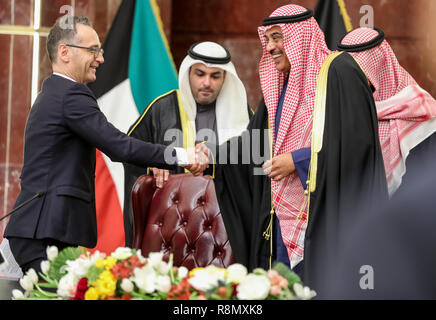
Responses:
[38,195]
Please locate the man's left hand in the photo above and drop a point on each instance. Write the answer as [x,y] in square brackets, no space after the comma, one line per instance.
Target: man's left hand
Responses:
[279,167]
[161,176]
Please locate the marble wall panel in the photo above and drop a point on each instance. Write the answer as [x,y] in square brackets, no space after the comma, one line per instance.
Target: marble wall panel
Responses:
[5,44]
[15,117]
[23,12]
[51,10]
[5,11]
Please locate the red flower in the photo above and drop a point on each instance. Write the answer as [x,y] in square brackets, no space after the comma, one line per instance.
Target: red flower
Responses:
[124,269]
[82,286]
[181,291]
[235,289]
[135,263]
[121,271]
[126,297]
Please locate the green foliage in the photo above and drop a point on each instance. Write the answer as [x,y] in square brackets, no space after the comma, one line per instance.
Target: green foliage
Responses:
[287,273]
[94,273]
[57,267]
[222,292]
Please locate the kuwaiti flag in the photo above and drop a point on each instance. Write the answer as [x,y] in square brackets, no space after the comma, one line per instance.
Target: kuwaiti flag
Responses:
[138,67]
[333,19]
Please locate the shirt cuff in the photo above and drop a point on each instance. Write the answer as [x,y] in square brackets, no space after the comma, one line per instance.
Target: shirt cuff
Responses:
[182,157]
[301,159]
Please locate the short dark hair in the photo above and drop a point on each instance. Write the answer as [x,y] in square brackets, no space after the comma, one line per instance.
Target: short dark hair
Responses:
[64,30]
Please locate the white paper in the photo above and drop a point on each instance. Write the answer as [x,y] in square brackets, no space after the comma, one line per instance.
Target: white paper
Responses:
[10,269]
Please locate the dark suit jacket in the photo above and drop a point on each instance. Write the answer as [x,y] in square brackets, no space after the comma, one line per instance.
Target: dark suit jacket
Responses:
[63,130]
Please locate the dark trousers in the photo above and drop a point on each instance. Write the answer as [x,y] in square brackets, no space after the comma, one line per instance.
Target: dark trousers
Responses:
[29,253]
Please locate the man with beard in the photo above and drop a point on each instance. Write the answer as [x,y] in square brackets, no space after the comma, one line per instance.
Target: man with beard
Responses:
[318,100]
[210,105]
[321,113]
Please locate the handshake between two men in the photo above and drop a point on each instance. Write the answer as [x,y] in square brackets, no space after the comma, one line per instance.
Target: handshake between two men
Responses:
[197,161]
[277,168]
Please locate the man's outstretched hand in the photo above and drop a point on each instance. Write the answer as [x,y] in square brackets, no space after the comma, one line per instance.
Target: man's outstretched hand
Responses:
[197,161]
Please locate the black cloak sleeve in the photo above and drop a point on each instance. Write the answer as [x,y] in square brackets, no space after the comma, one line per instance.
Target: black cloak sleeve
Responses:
[244,195]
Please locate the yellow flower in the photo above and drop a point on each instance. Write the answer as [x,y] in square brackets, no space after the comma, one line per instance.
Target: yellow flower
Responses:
[110,262]
[100,263]
[91,294]
[106,263]
[106,284]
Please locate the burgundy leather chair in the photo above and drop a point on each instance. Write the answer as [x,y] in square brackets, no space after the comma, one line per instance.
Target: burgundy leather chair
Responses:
[182,218]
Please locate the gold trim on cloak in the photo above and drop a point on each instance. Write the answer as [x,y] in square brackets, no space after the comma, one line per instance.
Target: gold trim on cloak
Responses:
[317,129]
[268,233]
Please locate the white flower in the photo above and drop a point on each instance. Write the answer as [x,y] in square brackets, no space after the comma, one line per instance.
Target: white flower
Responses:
[155,261]
[145,278]
[31,273]
[236,272]
[17,294]
[140,256]
[52,252]
[303,293]
[155,258]
[253,287]
[67,286]
[182,272]
[79,267]
[97,255]
[45,266]
[207,278]
[27,283]
[163,283]
[216,272]
[163,268]
[127,285]
[122,253]
[201,281]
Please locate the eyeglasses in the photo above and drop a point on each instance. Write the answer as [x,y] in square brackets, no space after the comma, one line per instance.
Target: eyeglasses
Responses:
[96,51]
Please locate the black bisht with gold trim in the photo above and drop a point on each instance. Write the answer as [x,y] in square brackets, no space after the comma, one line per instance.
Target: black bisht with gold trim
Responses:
[347,175]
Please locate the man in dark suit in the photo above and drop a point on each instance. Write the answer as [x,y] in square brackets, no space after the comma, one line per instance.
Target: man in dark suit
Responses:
[63,130]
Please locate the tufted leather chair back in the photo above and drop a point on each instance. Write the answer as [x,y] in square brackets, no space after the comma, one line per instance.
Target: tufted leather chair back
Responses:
[182,218]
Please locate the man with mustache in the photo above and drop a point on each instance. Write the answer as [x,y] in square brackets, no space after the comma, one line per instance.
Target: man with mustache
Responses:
[56,205]
[325,152]
[210,105]
[326,157]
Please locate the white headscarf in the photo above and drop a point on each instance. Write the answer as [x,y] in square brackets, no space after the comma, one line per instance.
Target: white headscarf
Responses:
[231,104]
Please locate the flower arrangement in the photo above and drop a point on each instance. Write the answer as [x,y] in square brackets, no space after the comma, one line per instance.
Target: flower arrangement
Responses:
[76,274]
